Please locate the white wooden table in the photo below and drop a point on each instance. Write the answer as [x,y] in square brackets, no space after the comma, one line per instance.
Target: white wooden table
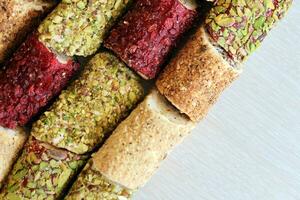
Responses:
[248,148]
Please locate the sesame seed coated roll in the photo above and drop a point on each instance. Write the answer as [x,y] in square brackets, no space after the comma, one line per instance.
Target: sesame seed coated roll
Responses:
[136,148]
[77,27]
[41,172]
[195,78]
[145,36]
[91,107]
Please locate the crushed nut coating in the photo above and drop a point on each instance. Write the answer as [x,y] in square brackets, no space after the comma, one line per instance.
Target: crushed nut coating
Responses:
[91,107]
[41,172]
[77,27]
[239,26]
[91,185]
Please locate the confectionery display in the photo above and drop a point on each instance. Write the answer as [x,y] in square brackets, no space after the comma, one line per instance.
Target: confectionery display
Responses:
[73,121]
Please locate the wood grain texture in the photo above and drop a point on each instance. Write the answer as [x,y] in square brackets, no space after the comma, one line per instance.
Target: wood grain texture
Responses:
[249,145]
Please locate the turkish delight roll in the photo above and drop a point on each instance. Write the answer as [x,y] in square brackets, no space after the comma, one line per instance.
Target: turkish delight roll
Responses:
[147,33]
[136,148]
[91,184]
[239,27]
[11,142]
[196,76]
[32,77]
[91,107]
[77,27]
[17,18]
[41,172]
[210,60]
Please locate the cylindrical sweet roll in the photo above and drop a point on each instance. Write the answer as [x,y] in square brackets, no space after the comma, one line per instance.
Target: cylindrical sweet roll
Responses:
[91,107]
[11,142]
[91,184]
[240,26]
[17,18]
[77,27]
[31,78]
[138,145]
[207,64]
[195,78]
[41,172]
[147,33]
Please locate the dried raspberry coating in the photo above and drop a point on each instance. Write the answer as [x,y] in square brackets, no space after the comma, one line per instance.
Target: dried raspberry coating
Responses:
[147,33]
[31,78]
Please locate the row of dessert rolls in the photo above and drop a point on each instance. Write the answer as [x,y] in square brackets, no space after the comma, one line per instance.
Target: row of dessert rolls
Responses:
[78,122]
[17,19]
[84,113]
[192,81]
[36,73]
[189,85]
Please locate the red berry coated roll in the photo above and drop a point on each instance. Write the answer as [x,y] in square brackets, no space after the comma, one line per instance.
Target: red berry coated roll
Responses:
[31,78]
[147,33]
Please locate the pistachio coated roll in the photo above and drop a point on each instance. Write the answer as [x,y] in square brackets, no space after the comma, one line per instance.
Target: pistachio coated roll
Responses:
[11,142]
[239,26]
[41,172]
[91,185]
[17,18]
[77,27]
[91,107]
[196,76]
[138,145]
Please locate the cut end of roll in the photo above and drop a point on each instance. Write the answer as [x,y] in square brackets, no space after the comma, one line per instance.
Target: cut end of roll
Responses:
[189,4]
[160,105]
[11,142]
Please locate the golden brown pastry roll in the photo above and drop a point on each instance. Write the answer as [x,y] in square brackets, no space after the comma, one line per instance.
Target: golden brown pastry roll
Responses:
[194,79]
[139,144]
[210,60]
[17,18]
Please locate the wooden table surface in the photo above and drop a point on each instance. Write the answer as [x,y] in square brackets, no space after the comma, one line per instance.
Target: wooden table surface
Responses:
[248,147]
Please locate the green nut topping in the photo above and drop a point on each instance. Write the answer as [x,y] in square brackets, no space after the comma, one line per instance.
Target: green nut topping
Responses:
[91,185]
[77,27]
[41,172]
[91,107]
[239,26]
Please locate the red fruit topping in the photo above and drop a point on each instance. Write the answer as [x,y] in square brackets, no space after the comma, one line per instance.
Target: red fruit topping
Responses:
[144,38]
[31,78]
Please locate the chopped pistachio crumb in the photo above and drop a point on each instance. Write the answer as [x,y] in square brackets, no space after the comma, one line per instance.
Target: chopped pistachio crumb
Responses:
[41,172]
[91,185]
[239,26]
[77,27]
[91,107]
